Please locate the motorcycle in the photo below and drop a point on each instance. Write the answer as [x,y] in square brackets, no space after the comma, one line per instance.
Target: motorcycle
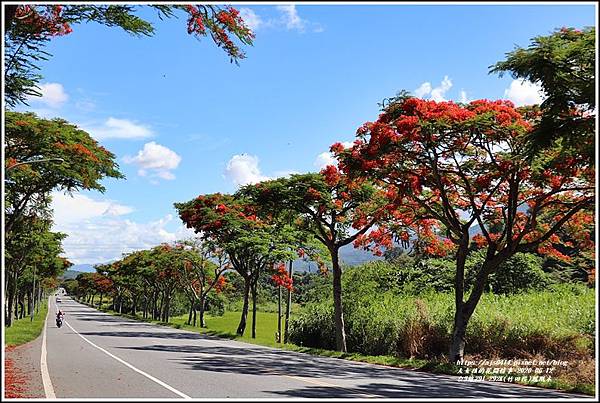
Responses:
[58,322]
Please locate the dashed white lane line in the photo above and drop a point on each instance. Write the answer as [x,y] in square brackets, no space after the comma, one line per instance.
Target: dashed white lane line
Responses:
[48,389]
[139,371]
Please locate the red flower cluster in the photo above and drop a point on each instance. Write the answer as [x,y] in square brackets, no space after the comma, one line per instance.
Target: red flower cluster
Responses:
[221,284]
[281,277]
[49,22]
[224,21]
[83,150]
[331,174]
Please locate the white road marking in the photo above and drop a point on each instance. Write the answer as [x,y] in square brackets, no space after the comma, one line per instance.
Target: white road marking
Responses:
[48,389]
[161,383]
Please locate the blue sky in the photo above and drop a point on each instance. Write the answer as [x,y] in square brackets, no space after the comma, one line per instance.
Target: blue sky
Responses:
[183,121]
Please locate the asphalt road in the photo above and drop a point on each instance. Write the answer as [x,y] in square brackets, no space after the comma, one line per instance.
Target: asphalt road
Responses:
[96,355]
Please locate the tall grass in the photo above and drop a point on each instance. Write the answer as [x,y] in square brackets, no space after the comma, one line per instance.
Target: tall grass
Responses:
[556,323]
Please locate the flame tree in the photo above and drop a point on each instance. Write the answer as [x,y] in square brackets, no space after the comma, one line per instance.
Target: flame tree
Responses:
[252,244]
[461,167]
[196,280]
[333,209]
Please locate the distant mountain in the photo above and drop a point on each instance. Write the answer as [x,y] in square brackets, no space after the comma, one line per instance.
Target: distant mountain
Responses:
[84,267]
[349,256]
[69,274]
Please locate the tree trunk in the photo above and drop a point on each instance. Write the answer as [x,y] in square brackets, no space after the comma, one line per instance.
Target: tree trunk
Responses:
[30,304]
[194,317]
[39,300]
[11,300]
[288,308]
[242,326]
[161,306]
[21,307]
[338,313]
[189,321]
[154,305]
[100,303]
[167,307]
[202,307]
[254,284]
[134,306]
[457,345]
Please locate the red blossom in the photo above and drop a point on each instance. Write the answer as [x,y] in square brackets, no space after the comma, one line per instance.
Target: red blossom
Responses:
[331,174]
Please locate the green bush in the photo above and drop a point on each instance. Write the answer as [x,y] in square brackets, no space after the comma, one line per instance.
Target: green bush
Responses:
[520,273]
[215,304]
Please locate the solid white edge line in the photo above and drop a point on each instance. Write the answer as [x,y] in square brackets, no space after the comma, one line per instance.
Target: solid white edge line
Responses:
[158,381]
[48,389]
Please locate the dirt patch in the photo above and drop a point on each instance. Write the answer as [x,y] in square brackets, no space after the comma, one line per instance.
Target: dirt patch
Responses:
[23,377]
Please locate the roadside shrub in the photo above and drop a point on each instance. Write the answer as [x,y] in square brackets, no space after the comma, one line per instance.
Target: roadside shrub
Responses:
[314,327]
[522,272]
[215,304]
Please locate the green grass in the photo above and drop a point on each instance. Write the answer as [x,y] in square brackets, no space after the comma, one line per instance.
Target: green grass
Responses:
[24,330]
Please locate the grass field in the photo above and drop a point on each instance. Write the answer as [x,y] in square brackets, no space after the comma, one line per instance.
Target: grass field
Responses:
[24,330]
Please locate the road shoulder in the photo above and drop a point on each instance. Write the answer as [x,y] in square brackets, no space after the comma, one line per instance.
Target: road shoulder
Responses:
[23,373]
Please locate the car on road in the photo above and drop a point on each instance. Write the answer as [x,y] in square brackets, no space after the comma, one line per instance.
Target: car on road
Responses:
[58,299]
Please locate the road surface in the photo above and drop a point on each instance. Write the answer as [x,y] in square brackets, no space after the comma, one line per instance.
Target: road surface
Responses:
[96,355]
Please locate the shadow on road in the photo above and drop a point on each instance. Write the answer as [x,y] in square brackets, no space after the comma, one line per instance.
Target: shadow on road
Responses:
[416,390]
[393,382]
[361,379]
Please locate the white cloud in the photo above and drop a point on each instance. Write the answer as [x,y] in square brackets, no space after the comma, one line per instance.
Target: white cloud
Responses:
[115,128]
[156,160]
[423,89]
[252,20]
[78,208]
[288,18]
[291,18]
[463,97]
[242,169]
[327,158]
[53,95]
[324,159]
[96,237]
[437,93]
[522,92]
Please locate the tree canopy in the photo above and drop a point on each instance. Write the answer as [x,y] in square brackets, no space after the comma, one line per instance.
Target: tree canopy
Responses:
[563,64]
[44,155]
[454,167]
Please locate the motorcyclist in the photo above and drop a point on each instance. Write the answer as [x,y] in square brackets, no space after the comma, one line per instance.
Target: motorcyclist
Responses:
[60,315]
